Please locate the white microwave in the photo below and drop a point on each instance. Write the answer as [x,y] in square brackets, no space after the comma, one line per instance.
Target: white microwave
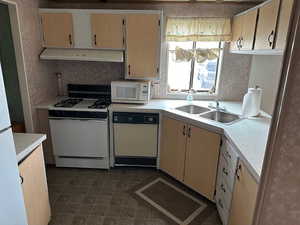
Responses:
[130,92]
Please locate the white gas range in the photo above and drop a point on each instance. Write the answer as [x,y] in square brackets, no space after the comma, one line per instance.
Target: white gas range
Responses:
[79,127]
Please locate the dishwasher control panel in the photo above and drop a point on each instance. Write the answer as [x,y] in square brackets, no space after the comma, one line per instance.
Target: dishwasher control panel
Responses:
[135,118]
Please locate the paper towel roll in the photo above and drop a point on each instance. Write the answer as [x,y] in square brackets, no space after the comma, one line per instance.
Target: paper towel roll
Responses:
[252,102]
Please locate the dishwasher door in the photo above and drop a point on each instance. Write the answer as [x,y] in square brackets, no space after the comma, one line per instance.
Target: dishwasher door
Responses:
[135,138]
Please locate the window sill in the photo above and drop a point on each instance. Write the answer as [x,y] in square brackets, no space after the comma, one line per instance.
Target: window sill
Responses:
[182,96]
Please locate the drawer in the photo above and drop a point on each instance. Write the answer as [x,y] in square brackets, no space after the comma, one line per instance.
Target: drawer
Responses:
[223,211]
[226,172]
[230,155]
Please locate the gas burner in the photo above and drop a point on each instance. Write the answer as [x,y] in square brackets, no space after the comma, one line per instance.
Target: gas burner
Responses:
[99,104]
[68,103]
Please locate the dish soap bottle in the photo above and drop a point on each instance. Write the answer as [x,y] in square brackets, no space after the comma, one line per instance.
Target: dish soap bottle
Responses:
[190,97]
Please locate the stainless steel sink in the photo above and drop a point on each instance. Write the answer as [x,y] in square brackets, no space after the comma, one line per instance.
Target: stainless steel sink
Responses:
[221,117]
[192,109]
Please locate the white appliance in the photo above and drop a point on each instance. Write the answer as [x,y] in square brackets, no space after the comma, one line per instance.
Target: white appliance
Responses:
[135,138]
[12,209]
[79,127]
[130,92]
[252,102]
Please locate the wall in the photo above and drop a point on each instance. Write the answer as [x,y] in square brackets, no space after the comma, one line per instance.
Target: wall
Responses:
[234,79]
[265,72]
[9,67]
[39,75]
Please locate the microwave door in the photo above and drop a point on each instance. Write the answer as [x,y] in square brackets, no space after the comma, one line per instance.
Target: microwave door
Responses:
[4,118]
[126,92]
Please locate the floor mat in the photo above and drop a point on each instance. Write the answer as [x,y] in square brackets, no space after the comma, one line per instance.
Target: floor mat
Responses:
[172,201]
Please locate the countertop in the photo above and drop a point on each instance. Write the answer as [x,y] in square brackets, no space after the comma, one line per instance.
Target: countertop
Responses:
[249,136]
[26,143]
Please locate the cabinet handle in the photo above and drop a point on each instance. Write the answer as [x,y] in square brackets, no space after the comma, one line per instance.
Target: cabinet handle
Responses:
[228,155]
[225,171]
[70,39]
[241,42]
[237,44]
[95,39]
[129,69]
[271,38]
[220,204]
[223,189]
[183,131]
[239,168]
[21,179]
[189,132]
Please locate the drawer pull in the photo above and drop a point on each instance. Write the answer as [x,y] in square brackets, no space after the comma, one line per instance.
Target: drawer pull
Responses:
[183,131]
[225,171]
[21,179]
[227,154]
[223,189]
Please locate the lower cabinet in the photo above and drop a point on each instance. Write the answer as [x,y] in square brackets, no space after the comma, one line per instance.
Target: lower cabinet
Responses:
[190,154]
[244,197]
[35,190]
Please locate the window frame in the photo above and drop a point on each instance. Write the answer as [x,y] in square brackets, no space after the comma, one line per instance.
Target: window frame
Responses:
[191,80]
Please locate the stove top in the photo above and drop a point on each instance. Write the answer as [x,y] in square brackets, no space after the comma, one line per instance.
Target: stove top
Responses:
[68,103]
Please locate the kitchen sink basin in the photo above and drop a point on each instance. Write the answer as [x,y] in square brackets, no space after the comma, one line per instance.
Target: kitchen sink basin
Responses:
[192,109]
[221,117]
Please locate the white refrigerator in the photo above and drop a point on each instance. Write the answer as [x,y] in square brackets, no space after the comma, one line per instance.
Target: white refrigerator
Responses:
[12,209]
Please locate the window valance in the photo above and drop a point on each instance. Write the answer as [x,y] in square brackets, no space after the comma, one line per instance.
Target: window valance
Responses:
[198,29]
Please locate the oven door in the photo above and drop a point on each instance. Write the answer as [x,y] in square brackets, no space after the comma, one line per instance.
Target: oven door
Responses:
[79,137]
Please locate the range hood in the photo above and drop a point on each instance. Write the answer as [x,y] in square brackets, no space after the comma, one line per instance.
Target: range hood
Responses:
[95,55]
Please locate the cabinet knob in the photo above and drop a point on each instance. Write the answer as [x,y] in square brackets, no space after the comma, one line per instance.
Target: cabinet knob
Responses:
[95,39]
[237,174]
[189,132]
[183,131]
[70,39]
[129,69]
[271,38]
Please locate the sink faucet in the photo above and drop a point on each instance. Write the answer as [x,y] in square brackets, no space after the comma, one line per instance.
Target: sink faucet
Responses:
[217,106]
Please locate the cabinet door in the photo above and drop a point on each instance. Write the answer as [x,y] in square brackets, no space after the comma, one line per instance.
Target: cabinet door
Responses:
[283,24]
[266,26]
[35,189]
[107,31]
[244,197]
[202,154]
[236,32]
[143,45]
[173,143]
[248,29]
[57,30]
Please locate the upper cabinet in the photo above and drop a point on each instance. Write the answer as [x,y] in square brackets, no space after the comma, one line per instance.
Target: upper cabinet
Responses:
[107,31]
[142,45]
[262,29]
[283,25]
[266,25]
[57,30]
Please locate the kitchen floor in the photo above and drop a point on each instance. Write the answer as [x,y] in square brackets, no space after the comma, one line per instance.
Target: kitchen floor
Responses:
[101,197]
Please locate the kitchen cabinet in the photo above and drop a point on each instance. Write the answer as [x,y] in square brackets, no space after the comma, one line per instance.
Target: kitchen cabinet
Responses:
[283,24]
[173,142]
[244,197]
[142,45]
[266,25]
[244,31]
[107,31]
[202,153]
[35,190]
[57,30]
[190,154]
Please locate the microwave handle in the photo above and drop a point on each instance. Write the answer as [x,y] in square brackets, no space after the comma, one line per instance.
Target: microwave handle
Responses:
[129,69]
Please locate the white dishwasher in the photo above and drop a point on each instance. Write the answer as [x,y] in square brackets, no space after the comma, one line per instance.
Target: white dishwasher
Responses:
[135,138]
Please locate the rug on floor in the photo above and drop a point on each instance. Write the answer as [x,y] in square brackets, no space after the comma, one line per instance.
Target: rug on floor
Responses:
[172,201]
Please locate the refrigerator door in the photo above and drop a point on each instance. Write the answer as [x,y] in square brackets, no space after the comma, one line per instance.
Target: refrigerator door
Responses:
[4,114]
[12,209]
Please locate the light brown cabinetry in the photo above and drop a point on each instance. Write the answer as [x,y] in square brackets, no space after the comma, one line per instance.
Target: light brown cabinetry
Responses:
[201,163]
[173,142]
[57,30]
[142,45]
[107,31]
[190,154]
[244,197]
[266,25]
[244,31]
[35,190]
[283,24]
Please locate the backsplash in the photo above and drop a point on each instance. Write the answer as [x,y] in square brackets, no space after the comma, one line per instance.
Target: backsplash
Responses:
[74,72]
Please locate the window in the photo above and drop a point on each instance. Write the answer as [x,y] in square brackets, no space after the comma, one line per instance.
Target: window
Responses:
[192,73]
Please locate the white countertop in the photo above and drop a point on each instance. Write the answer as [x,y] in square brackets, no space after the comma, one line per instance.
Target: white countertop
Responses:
[26,143]
[249,136]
